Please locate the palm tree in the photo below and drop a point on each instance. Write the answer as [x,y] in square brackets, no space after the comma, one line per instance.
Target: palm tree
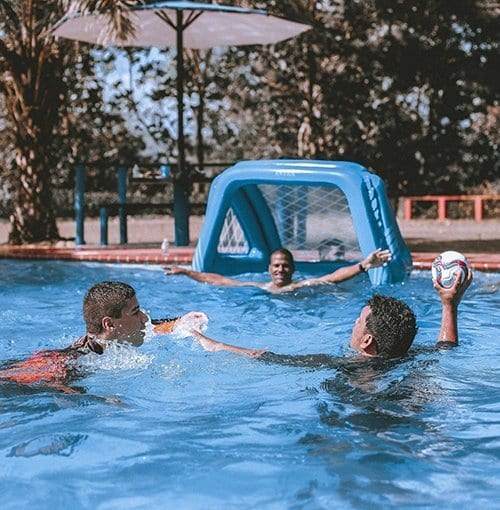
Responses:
[31,68]
[32,65]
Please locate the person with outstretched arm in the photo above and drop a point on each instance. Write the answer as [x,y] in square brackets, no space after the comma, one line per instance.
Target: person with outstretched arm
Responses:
[385,328]
[281,269]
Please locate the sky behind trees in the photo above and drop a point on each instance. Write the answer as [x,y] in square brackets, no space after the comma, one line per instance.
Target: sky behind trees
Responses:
[406,88]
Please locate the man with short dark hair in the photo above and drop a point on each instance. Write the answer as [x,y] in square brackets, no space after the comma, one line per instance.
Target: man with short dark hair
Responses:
[392,324]
[385,328]
[111,313]
[281,268]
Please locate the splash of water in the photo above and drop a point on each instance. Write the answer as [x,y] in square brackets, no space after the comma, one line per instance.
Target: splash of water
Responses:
[117,357]
[192,321]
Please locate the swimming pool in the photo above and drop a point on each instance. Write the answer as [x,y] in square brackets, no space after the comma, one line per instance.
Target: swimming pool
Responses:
[170,424]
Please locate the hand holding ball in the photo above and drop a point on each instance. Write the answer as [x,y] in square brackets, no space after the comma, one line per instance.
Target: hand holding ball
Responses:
[446,266]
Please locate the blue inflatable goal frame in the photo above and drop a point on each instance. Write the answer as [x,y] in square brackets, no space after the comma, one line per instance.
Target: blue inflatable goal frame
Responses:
[372,215]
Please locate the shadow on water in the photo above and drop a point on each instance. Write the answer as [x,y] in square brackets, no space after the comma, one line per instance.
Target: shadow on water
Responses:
[39,420]
[381,394]
[51,444]
[381,431]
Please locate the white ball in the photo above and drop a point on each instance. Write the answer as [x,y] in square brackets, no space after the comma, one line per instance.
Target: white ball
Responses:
[445,267]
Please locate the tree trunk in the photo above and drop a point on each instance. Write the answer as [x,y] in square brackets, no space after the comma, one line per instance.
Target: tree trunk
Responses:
[32,219]
[200,148]
[34,90]
[200,78]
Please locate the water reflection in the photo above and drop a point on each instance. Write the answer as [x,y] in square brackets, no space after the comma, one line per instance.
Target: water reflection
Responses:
[52,444]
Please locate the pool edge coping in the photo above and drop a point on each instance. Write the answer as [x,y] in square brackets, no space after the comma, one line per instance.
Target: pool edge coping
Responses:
[184,255]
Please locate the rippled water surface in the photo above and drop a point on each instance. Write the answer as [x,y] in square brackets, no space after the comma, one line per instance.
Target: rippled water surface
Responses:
[170,424]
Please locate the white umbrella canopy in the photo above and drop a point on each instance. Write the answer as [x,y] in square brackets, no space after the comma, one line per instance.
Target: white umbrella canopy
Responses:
[183,24]
[203,26]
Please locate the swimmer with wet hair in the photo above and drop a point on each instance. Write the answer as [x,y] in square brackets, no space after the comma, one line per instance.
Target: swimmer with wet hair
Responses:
[281,269]
[111,313]
[385,328]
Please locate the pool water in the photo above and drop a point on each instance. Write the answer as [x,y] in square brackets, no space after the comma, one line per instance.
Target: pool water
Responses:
[169,424]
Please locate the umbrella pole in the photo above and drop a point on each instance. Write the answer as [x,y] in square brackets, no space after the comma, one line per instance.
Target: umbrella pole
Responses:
[181,192]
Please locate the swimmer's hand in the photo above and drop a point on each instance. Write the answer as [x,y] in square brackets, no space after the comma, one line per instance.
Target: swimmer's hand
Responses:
[376,258]
[186,325]
[453,295]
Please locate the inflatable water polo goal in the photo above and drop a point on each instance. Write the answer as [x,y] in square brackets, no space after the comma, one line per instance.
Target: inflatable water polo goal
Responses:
[327,213]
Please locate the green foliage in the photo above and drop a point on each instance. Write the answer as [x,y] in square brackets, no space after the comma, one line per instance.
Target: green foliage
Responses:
[407,88]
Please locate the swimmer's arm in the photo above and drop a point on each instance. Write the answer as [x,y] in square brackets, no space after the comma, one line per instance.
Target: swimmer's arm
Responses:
[374,259]
[307,360]
[450,299]
[210,344]
[448,334]
[212,278]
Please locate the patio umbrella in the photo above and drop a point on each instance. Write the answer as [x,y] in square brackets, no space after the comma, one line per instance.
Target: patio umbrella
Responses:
[184,25]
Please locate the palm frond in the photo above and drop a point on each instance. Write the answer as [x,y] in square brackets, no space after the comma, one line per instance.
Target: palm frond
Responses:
[121,25]
[8,13]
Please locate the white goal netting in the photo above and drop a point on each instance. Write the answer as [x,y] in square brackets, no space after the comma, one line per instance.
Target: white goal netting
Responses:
[314,222]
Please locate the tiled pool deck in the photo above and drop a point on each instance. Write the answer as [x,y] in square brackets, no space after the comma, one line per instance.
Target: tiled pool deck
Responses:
[138,254]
